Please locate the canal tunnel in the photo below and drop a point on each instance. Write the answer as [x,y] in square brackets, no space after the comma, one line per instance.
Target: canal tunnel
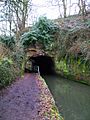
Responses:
[45,63]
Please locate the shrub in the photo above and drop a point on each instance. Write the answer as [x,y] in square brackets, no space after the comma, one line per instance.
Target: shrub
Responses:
[7,72]
[9,41]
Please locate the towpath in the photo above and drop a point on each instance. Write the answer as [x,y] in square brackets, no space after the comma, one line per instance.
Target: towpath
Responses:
[25,100]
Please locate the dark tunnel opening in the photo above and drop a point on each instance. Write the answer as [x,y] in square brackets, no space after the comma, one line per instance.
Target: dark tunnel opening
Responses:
[45,63]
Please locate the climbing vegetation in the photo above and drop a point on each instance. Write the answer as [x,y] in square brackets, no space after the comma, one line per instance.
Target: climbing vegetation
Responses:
[11,60]
[9,41]
[42,33]
[73,58]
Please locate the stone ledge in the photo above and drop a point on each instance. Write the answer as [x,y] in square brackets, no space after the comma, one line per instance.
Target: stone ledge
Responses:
[48,108]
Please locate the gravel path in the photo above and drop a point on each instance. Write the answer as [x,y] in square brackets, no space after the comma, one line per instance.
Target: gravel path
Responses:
[22,100]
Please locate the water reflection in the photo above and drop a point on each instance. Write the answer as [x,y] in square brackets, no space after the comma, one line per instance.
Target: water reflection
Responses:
[72,98]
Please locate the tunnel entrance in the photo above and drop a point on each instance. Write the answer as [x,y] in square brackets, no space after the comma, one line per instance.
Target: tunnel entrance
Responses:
[45,63]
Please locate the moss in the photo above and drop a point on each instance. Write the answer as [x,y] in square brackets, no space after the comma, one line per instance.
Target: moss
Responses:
[54,111]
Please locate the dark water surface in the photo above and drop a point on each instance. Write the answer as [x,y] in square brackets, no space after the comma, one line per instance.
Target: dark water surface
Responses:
[72,98]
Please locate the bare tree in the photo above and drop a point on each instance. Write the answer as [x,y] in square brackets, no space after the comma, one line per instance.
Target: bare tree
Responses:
[3,20]
[88,8]
[56,3]
[82,7]
[20,10]
[16,13]
[70,8]
[59,7]
[61,4]
[64,7]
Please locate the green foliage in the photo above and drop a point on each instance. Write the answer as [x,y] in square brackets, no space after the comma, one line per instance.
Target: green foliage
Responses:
[7,62]
[88,23]
[12,62]
[11,67]
[73,48]
[45,25]
[75,69]
[61,66]
[42,32]
[7,72]
[9,41]
[18,57]
[29,38]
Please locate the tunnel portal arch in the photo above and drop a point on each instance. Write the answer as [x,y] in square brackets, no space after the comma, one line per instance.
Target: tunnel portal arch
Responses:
[45,63]
[38,57]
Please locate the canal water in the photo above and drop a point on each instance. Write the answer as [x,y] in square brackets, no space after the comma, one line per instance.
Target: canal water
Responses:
[72,98]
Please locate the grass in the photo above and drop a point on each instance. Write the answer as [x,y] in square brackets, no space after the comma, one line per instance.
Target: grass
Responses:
[75,73]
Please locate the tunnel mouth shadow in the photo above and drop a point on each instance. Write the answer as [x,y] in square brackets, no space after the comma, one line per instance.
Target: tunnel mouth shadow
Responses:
[45,63]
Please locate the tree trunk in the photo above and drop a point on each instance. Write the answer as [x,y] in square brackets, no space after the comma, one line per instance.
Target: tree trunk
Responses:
[64,8]
[82,8]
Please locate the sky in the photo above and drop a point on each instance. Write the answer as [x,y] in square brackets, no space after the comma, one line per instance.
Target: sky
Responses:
[45,8]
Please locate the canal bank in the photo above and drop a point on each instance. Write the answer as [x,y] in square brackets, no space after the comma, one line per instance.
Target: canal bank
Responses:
[28,98]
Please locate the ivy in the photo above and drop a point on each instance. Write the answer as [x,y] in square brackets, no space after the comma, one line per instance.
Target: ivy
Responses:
[9,41]
[42,32]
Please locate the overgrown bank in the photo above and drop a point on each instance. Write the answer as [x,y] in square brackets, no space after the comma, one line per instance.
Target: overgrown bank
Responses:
[68,42]
[11,60]
[73,49]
